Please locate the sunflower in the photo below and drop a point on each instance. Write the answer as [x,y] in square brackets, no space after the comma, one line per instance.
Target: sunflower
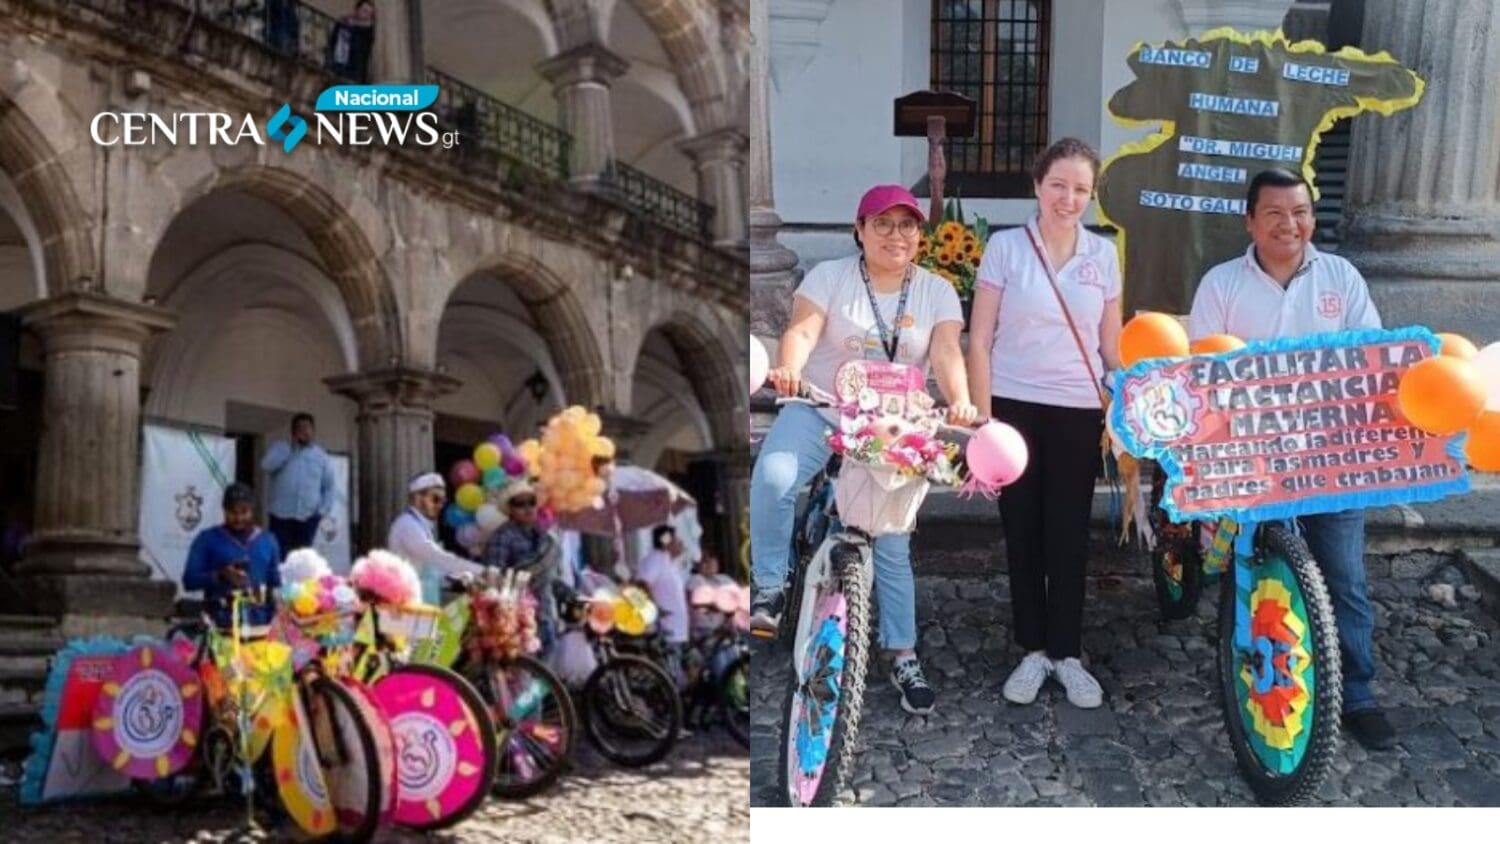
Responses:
[975,261]
[950,231]
[946,256]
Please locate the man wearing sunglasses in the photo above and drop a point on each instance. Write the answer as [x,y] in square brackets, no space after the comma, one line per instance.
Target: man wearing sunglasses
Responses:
[521,544]
[413,534]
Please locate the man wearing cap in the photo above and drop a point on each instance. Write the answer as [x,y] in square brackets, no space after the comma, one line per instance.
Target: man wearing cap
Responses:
[413,533]
[876,305]
[521,544]
[234,555]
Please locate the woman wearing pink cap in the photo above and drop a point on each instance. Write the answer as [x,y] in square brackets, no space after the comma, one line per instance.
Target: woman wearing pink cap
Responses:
[1046,322]
[873,305]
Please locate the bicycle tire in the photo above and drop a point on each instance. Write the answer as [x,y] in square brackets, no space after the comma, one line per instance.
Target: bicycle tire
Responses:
[354,782]
[478,715]
[1284,571]
[829,768]
[733,697]
[507,740]
[597,710]
[803,549]
[1177,559]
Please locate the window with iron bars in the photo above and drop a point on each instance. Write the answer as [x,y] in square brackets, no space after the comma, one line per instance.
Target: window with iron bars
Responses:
[998,53]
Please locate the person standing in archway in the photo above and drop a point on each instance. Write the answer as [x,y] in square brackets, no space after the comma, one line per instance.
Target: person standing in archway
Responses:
[302,486]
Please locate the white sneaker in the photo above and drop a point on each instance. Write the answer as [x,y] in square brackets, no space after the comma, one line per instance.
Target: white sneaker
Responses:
[1083,690]
[1027,678]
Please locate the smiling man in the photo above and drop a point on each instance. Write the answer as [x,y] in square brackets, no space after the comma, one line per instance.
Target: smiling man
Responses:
[1283,287]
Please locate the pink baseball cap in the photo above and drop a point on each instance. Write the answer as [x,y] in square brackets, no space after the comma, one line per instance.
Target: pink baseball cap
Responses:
[882,198]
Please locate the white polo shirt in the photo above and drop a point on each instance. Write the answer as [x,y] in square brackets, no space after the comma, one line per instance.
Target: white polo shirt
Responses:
[1238,297]
[1035,357]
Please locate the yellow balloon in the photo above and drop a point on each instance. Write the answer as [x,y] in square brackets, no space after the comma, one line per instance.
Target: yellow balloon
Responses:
[595,487]
[469,497]
[591,425]
[486,456]
[604,447]
[305,604]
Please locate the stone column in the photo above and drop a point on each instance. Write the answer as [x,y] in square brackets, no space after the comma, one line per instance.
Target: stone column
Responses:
[395,439]
[719,159]
[772,266]
[625,431]
[1422,212]
[83,562]
[397,56]
[580,80]
[734,488]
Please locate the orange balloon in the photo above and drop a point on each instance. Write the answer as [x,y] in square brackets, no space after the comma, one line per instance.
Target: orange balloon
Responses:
[1215,343]
[1441,395]
[1152,335]
[1456,346]
[1483,447]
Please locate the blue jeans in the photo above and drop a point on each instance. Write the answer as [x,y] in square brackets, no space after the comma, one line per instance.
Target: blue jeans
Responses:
[1337,541]
[795,449]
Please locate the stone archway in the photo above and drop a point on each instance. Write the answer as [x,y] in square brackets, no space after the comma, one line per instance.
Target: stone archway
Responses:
[40,179]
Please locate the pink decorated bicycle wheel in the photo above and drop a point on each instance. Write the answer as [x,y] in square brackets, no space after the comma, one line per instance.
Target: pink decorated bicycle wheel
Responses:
[148,715]
[445,744]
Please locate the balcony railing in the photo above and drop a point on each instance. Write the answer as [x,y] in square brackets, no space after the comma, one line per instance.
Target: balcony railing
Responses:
[503,129]
[659,201]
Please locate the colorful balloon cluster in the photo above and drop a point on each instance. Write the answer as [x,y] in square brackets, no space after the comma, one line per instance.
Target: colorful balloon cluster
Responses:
[320,596]
[570,459]
[479,484]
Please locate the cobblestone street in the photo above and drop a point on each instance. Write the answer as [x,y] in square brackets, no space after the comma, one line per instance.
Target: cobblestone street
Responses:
[697,794]
[1159,739]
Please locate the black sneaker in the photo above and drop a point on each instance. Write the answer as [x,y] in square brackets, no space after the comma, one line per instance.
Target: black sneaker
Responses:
[916,696]
[1371,728]
[765,612]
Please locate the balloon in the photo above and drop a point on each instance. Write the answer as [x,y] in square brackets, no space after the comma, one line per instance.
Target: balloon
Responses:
[463,472]
[760,364]
[1213,344]
[595,486]
[514,464]
[494,477]
[591,425]
[1487,362]
[305,604]
[1457,346]
[456,516]
[488,517]
[1441,395]
[604,447]
[1152,335]
[469,497]
[546,518]
[996,454]
[503,443]
[486,456]
[468,535]
[1483,447]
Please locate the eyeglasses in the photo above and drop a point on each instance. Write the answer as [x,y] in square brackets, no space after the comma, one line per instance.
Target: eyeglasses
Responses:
[437,497]
[521,503]
[884,226]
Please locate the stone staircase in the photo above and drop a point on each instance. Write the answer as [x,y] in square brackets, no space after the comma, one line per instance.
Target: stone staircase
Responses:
[27,643]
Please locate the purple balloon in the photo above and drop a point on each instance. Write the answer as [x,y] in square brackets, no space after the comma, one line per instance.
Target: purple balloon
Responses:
[468,535]
[503,443]
[515,466]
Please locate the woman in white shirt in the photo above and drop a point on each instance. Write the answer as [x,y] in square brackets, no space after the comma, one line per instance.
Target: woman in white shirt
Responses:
[874,305]
[1041,364]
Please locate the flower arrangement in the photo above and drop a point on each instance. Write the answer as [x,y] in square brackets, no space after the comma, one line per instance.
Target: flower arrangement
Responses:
[504,618]
[912,448]
[953,249]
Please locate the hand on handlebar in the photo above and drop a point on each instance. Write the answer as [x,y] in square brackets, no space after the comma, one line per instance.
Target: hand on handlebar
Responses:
[963,413]
[786,380]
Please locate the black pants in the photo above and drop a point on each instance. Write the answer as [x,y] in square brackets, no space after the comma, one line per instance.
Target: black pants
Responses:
[1046,519]
[292,534]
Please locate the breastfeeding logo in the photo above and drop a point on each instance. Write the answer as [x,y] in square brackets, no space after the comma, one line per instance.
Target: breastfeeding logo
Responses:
[344,115]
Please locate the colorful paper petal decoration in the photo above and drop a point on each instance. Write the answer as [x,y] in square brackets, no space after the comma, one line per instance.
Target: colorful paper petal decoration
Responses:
[299,779]
[147,713]
[63,764]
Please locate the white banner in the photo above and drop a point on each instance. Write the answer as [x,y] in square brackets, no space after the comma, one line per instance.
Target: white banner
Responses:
[332,538]
[183,474]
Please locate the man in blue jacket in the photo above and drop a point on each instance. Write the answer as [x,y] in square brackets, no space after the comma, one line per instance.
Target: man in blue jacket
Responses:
[234,555]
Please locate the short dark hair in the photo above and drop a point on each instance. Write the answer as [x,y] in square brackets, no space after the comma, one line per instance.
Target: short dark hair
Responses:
[1064,148]
[238,493]
[301,416]
[660,531]
[1276,177]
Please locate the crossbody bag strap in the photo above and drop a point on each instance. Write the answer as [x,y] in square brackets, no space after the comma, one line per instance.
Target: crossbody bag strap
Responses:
[1067,315]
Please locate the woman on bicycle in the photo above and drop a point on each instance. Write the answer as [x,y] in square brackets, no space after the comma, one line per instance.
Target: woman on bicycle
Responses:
[875,305]
[1046,322]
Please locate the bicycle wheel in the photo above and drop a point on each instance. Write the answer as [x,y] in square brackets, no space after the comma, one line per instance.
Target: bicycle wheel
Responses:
[734,699]
[631,711]
[808,533]
[1177,559]
[536,726]
[445,745]
[344,747]
[1279,674]
[820,719]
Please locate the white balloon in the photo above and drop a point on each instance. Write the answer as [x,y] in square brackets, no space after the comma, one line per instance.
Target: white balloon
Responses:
[488,517]
[760,364]
[1487,363]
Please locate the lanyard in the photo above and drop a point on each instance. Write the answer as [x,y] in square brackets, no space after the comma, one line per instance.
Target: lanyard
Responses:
[890,340]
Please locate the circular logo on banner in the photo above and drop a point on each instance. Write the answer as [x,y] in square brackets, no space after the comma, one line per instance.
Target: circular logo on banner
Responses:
[426,755]
[150,714]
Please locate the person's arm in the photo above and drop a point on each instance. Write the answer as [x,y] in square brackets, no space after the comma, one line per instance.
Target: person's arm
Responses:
[196,575]
[948,365]
[276,456]
[426,550]
[1361,312]
[797,343]
[329,487]
[1110,325]
[984,316]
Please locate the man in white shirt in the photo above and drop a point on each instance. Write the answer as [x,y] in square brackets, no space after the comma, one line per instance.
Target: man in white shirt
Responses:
[413,535]
[1283,287]
[661,575]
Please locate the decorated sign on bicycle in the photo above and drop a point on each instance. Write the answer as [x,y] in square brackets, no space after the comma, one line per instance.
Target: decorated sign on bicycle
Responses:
[1287,427]
[877,387]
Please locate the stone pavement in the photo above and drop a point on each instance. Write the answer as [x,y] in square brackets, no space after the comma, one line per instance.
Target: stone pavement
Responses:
[1159,739]
[697,794]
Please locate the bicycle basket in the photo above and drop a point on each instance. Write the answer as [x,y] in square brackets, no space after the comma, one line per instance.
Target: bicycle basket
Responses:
[878,500]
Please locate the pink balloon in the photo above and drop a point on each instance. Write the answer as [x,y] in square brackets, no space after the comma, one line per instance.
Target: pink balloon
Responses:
[996,454]
[464,472]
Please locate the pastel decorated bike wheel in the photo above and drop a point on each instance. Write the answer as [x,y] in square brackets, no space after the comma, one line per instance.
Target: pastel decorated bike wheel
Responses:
[149,714]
